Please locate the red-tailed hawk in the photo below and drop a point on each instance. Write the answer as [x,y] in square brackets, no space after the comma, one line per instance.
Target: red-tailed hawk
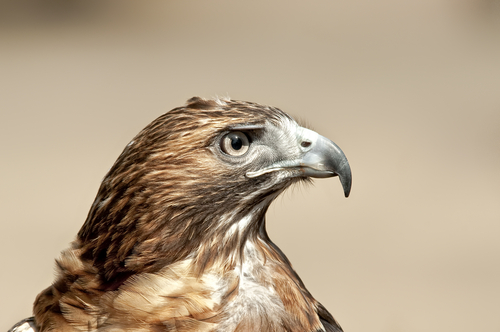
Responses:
[176,237]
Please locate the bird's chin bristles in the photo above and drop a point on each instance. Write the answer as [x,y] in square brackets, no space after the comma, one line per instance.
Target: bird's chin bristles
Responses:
[296,184]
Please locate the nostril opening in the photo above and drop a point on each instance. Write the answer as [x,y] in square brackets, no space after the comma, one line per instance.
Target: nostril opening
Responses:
[305,144]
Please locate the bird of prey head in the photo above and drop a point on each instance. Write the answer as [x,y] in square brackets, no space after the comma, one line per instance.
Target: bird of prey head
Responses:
[175,239]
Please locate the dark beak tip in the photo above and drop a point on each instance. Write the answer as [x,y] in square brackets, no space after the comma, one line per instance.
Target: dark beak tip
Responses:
[346,182]
[347,191]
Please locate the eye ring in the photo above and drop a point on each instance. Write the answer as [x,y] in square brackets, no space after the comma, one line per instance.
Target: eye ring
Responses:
[235,144]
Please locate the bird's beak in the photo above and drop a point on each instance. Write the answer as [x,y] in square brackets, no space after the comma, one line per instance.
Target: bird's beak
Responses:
[317,157]
[322,158]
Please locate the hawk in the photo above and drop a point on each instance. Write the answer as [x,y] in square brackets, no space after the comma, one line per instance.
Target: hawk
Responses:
[176,237]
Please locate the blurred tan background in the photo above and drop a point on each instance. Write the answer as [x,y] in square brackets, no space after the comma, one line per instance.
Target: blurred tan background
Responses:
[409,89]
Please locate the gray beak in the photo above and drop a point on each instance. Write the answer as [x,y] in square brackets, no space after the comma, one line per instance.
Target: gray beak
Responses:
[316,157]
[322,159]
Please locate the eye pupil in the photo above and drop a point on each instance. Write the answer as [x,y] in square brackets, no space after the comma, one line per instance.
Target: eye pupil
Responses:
[236,143]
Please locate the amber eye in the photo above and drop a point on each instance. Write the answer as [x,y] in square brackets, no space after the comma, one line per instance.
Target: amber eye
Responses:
[235,143]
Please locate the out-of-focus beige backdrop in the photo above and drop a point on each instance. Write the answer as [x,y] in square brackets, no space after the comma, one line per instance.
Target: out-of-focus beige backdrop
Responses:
[409,89]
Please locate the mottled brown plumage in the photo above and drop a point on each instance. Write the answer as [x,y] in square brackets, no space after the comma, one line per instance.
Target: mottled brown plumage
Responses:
[175,239]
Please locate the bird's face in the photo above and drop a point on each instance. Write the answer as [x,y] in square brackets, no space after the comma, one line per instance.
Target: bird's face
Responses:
[196,170]
[222,152]
[281,151]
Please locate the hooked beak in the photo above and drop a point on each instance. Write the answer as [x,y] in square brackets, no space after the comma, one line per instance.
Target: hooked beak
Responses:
[325,159]
[318,157]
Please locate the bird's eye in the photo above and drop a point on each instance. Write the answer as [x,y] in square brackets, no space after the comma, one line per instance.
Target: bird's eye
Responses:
[235,143]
